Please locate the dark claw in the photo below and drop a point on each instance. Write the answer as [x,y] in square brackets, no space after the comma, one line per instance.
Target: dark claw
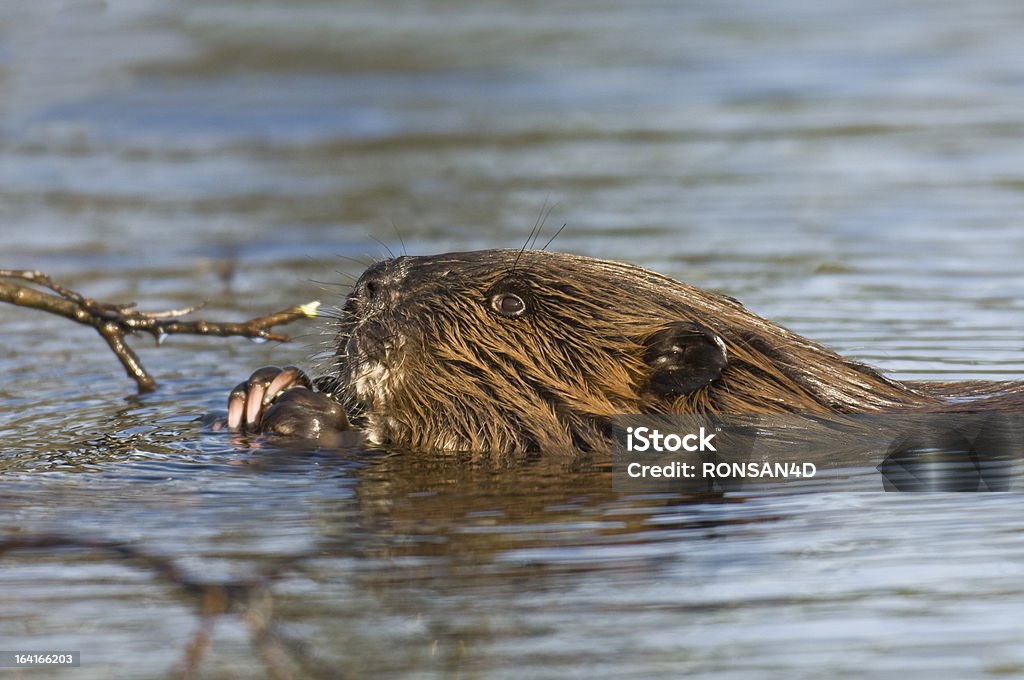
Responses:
[246,400]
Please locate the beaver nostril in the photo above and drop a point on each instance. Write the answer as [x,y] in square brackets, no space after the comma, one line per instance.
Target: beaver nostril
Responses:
[379,280]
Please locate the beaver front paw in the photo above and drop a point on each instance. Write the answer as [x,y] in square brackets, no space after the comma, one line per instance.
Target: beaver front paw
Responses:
[281,401]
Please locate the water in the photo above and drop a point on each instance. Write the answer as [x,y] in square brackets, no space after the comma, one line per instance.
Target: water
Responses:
[849,169]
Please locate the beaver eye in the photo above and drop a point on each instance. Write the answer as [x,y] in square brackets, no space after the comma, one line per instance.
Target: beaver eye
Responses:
[508,304]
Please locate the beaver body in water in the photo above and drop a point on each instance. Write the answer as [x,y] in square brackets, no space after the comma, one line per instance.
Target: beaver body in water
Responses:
[505,351]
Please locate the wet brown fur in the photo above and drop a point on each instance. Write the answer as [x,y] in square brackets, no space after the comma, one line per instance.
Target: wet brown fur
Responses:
[426,362]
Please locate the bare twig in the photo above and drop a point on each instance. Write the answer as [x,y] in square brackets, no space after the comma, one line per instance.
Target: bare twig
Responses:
[115,321]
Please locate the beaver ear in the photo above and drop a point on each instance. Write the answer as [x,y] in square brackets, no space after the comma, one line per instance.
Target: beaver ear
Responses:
[683,357]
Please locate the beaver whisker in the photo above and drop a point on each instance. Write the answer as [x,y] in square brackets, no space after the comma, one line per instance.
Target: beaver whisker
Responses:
[327,285]
[336,315]
[361,263]
[531,238]
[554,236]
[400,239]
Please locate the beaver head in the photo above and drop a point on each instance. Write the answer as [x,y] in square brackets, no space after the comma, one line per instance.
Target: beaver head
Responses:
[506,351]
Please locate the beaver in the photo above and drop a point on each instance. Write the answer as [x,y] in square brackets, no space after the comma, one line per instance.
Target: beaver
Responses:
[505,351]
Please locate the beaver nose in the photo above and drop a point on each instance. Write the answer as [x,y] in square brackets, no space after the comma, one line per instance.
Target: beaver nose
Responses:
[379,279]
[375,279]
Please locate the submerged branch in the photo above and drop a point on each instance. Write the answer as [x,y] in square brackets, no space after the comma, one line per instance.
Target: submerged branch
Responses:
[115,321]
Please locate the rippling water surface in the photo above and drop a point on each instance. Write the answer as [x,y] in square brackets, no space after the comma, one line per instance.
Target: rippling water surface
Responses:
[849,169]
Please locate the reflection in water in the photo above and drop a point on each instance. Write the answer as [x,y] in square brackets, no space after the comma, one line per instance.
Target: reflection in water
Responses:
[383,563]
[409,530]
[943,453]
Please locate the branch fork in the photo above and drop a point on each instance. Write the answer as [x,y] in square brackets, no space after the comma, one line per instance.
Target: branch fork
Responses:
[116,321]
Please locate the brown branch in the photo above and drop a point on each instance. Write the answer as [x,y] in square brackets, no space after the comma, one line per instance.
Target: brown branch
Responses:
[115,321]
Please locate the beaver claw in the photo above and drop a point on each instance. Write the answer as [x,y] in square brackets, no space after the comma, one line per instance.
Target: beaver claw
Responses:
[282,401]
